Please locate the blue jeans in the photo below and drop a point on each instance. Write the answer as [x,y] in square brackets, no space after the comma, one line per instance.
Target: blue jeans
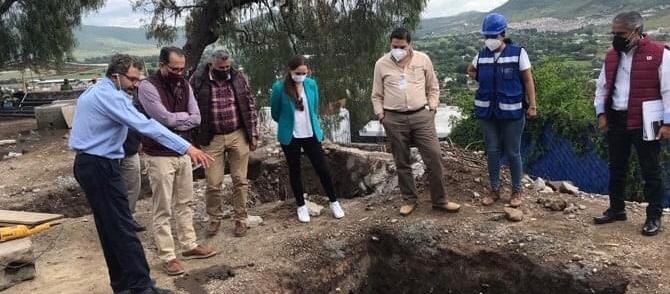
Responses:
[503,136]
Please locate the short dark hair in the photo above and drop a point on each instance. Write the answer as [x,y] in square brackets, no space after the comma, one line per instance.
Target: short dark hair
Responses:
[401,34]
[121,63]
[166,51]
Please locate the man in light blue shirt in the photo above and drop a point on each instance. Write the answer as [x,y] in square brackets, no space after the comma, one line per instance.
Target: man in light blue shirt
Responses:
[102,118]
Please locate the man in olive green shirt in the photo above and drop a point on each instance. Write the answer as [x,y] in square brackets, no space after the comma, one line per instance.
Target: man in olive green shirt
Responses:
[405,95]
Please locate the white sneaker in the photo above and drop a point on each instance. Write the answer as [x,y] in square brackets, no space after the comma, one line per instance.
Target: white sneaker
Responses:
[336,209]
[303,214]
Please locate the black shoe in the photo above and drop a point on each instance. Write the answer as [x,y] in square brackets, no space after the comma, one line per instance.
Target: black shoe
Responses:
[138,227]
[156,290]
[610,216]
[651,227]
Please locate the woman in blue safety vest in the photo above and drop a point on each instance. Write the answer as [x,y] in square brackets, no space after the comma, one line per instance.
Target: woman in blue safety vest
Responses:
[506,95]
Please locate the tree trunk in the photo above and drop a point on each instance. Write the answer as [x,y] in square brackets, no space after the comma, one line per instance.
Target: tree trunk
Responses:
[201,32]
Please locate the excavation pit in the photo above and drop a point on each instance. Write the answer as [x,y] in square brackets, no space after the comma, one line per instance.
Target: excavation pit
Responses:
[420,261]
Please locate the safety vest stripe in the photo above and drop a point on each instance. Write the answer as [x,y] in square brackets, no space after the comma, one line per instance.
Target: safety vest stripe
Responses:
[481,103]
[510,107]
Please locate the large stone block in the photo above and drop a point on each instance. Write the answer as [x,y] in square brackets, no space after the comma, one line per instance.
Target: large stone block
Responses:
[50,117]
[17,262]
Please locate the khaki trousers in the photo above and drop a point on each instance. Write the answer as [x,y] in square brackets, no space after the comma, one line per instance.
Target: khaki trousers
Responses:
[130,171]
[235,145]
[171,180]
[418,128]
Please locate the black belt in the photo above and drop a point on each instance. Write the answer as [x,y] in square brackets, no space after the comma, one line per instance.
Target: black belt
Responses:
[406,112]
[79,152]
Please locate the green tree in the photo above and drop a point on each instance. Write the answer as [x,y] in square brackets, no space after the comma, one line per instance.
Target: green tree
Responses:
[39,33]
[343,40]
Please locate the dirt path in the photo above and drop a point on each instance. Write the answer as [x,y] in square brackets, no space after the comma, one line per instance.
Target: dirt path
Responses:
[372,250]
[284,256]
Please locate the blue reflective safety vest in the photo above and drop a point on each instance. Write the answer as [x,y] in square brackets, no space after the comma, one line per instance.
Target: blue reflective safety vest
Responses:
[501,91]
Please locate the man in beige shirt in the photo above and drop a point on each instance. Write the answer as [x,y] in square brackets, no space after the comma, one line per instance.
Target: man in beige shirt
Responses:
[405,95]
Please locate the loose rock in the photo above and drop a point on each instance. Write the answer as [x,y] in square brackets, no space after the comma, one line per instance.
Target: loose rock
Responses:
[569,188]
[513,214]
[314,209]
[254,221]
[539,184]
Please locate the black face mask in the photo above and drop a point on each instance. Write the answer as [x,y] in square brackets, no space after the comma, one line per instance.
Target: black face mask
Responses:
[221,75]
[621,44]
[173,78]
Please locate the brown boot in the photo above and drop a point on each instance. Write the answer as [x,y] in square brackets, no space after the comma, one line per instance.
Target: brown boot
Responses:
[493,196]
[240,229]
[213,227]
[448,207]
[199,252]
[407,209]
[173,267]
[516,200]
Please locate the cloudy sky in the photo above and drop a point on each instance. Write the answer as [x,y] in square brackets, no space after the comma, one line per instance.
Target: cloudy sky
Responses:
[119,12]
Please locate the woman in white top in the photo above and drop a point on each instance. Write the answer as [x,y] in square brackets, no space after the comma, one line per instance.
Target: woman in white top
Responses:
[295,107]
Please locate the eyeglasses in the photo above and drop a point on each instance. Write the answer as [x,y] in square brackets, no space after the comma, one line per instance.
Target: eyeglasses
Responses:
[175,69]
[133,80]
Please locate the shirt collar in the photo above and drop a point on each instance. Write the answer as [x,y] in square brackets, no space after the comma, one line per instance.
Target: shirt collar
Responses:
[107,82]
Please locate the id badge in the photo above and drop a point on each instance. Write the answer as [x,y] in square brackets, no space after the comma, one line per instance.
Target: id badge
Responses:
[403,82]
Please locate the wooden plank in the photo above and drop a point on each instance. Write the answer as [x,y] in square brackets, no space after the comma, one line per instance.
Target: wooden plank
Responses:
[26,218]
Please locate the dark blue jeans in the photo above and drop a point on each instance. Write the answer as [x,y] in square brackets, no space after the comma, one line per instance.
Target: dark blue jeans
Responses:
[100,178]
[503,136]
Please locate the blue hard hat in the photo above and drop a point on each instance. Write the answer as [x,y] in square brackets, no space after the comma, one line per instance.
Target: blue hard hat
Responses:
[494,24]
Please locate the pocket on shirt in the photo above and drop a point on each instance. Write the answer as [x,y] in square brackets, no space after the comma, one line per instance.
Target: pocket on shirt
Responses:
[509,73]
[417,74]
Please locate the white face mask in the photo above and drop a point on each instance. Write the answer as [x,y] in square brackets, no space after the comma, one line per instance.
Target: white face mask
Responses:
[119,88]
[398,53]
[299,78]
[493,44]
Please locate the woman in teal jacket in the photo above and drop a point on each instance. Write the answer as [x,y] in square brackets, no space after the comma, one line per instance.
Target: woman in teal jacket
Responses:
[295,107]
